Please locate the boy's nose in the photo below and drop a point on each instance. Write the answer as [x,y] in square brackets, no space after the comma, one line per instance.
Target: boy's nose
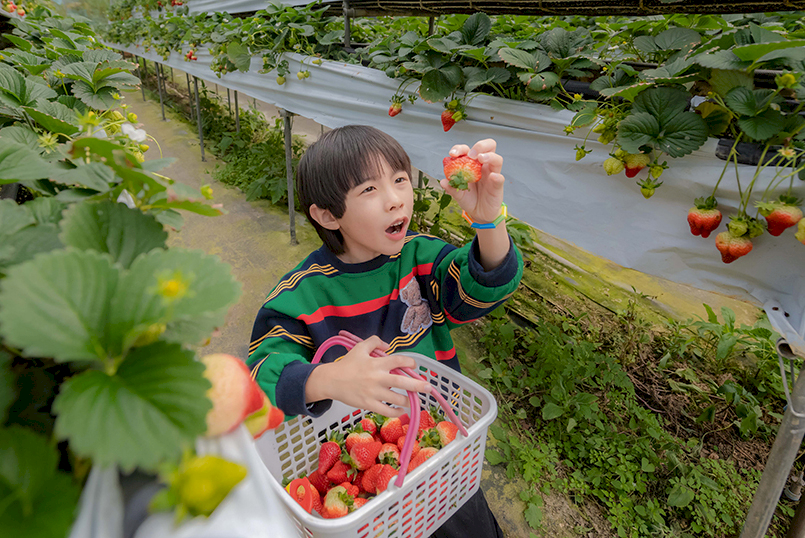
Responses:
[393,200]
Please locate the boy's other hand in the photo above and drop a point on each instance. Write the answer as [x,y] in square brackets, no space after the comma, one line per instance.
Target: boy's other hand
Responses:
[481,200]
[365,382]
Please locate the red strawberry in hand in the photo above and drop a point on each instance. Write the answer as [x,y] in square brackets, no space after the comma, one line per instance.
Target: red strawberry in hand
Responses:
[781,214]
[461,171]
[704,217]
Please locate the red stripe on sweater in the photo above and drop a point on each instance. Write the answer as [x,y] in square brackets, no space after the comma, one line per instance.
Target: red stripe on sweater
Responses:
[454,320]
[445,355]
[359,309]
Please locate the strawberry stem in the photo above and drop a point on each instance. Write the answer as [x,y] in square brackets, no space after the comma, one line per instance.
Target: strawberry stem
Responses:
[729,157]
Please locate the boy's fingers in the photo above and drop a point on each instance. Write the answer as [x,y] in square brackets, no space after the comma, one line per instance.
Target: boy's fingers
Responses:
[496,179]
[459,149]
[406,383]
[492,160]
[372,343]
[486,145]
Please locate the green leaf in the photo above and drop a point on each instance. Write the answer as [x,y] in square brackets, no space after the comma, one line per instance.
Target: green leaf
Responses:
[239,55]
[629,92]
[142,415]
[19,163]
[543,81]
[646,466]
[199,208]
[756,51]
[518,58]
[443,45]
[662,103]
[682,135]
[763,126]
[190,318]
[112,228]
[102,99]
[637,129]
[54,117]
[93,175]
[22,135]
[39,500]
[680,496]
[45,210]
[725,345]
[57,305]
[708,415]
[533,516]
[13,217]
[476,29]
[551,411]
[81,71]
[439,84]
[646,43]
[716,117]
[677,38]
[8,385]
[723,59]
[724,80]
[494,457]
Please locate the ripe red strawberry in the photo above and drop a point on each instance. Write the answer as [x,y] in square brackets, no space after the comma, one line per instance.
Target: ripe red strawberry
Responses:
[447,432]
[703,218]
[356,437]
[401,441]
[368,424]
[635,162]
[384,477]
[340,472]
[426,421]
[395,108]
[405,419]
[364,455]
[447,120]
[423,455]
[461,171]
[337,503]
[352,489]
[317,504]
[390,455]
[357,502]
[780,215]
[369,482]
[329,453]
[319,481]
[391,430]
[732,247]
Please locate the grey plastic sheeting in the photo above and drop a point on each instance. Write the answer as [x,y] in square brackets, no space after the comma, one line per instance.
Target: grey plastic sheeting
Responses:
[547,188]
[236,6]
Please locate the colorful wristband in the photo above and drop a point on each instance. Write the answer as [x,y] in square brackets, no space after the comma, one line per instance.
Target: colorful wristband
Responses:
[488,225]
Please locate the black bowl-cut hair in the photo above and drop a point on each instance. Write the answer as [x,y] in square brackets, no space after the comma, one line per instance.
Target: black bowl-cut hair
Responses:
[339,161]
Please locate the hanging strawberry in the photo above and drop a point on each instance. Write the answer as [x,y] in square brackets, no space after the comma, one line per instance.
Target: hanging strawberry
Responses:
[703,218]
[781,214]
[396,105]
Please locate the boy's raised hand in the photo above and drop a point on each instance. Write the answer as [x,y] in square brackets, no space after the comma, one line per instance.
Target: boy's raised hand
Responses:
[481,200]
[365,382]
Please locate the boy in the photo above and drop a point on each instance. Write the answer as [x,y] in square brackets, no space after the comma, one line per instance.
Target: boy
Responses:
[396,289]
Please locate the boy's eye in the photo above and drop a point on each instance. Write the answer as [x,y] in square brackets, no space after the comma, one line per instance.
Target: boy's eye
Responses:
[401,179]
[367,189]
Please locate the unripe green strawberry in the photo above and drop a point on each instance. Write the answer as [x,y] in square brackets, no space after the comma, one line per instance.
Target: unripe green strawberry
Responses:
[300,75]
[280,80]
[317,61]
[800,235]
[613,166]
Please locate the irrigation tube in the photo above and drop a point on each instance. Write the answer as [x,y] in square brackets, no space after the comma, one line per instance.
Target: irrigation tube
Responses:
[781,458]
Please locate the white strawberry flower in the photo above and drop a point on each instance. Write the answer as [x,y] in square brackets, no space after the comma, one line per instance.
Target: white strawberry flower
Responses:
[137,135]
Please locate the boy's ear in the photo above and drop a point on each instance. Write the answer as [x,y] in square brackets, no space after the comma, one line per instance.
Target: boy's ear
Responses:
[325,219]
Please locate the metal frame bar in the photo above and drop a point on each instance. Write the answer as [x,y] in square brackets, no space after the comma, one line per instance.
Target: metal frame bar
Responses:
[142,78]
[198,116]
[190,96]
[287,120]
[237,113]
[160,86]
[228,101]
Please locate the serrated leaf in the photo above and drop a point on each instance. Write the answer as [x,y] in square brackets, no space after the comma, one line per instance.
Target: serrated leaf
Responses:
[80,71]
[763,126]
[682,135]
[722,59]
[724,80]
[45,210]
[239,55]
[439,84]
[629,92]
[102,99]
[443,45]
[586,114]
[680,496]
[476,29]
[40,501]
[20,163]
[637,129]
[57,305]
[100,55]
[211,289]
[72,102]
[53,117]
[93,175]
[533,515]
[543,81]
[677,38]
[662,103]
[716,117]
[494,457]
[518,58]
[112,228]
[142,415]
[646,43]
[756,51]
[22,135]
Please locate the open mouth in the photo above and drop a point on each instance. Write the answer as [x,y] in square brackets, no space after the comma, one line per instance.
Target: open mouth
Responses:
[396,228]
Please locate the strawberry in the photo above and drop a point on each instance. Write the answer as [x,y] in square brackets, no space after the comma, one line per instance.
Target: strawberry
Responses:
[317,505]
[340,472]
[405,419]
[364,455]
[635,162]
[337,503]
[732,246]
[390,455]
[703,218]
[647,187]
[384,477]
[391,430]
[329,453]
[800,235]
[319,481]
[447,432]
[430,438]
[423,455]
[357,436]
[447,120]
[401,441]
[280,80]
[396,105]
[781,214]
[358,502]
[461,171]
[369,482]
[368,424]
[352,489]
[426,421]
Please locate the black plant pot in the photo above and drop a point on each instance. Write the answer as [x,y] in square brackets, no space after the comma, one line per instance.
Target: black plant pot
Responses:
[9,191]
[749,152]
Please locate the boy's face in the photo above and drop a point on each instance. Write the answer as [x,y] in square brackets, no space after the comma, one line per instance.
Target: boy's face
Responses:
[377,215]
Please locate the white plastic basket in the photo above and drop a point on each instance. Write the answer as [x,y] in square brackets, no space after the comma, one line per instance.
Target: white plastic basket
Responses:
[430,494]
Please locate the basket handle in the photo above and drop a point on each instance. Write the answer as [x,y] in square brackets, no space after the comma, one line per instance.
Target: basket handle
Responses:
[348,340]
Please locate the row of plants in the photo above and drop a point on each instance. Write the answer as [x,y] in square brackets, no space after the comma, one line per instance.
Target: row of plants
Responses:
[648,90]
[647,425]
[98,316]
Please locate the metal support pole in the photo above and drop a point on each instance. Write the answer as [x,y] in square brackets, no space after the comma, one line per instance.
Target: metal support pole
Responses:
[237,113]
[419,183]
[431,21]
[143,74]
[160,86]
[797,528]
[173,80]
[189,95]
[198,115]
[228,101]
[781,458]
[289,172]
[347,31]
